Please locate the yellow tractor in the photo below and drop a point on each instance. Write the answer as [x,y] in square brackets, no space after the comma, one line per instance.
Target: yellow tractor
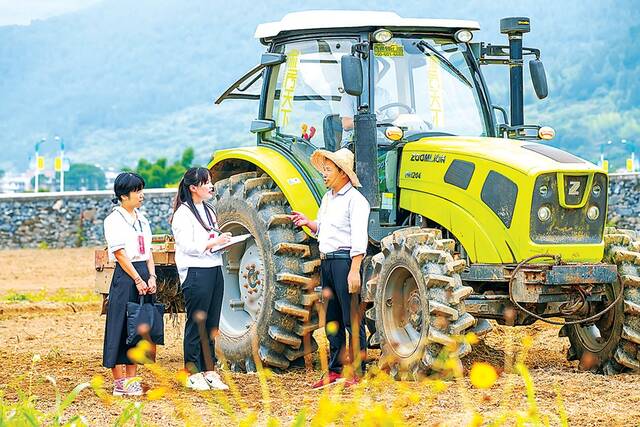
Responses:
[473,218]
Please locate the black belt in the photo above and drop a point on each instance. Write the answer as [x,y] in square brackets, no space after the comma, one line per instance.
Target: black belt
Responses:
[341,254]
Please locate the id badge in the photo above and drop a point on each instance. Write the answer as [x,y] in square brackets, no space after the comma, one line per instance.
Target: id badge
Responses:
[141,248]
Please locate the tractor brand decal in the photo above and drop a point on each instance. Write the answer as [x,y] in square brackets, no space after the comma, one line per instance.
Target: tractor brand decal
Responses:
[574,188]
[428,157]
[434,81]
[388,49]
[289,86]
[413,175]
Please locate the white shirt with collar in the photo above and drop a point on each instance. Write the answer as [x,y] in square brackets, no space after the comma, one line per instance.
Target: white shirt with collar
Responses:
[191,240]
[342,221]
[121,232]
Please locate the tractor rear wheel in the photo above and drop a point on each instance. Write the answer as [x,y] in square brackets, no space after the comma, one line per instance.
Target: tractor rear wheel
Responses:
[269,297]
[419,303]
[610,344]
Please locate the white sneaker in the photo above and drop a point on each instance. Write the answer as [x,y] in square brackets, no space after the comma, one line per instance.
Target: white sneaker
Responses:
[215,382]
[198,382]
[133,387]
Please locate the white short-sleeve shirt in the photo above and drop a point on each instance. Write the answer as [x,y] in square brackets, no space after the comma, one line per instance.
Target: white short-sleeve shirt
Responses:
[342,221]
[123,232]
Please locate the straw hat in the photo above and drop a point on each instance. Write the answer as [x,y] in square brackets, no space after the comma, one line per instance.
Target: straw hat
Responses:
[343,158]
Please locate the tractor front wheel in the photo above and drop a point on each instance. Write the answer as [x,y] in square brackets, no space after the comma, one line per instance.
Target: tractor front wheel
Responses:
[419,303]
[268,311]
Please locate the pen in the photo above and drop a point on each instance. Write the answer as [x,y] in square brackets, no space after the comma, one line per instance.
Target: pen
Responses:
[217,230]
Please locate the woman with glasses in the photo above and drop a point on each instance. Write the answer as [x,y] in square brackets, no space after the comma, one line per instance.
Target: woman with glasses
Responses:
[199,266]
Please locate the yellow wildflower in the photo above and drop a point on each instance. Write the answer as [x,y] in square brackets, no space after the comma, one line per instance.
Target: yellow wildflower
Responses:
[332,328]
[482,375]
[471,338]
[156,393]
[97,381]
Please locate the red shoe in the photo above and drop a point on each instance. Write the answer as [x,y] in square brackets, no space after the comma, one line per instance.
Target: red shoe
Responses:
[351,381]
[324,381]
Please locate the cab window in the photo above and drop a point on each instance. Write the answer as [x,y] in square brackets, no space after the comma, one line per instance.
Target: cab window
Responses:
[307,93]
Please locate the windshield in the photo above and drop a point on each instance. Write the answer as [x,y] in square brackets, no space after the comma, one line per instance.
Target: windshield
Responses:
[426,86]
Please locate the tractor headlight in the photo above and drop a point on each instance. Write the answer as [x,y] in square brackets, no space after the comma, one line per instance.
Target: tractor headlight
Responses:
[382,35]
[543,190]
[394,133]
[596,190]
[544,214]
[547,133]
[593,213]
[463,36]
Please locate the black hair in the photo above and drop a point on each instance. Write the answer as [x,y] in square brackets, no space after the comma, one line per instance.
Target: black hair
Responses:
[193,176]
[125,183]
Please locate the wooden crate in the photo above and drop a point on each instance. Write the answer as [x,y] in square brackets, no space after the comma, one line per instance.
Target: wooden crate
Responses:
[164,257]
[164,246]
[104,271]
[161,238]
[162,250]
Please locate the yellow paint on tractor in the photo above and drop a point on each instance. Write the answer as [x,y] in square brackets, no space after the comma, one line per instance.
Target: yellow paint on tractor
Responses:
[424,191]
[280,169]
[482,234]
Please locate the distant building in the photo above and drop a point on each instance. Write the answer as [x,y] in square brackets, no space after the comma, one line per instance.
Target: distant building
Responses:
[15,183]
[110,175]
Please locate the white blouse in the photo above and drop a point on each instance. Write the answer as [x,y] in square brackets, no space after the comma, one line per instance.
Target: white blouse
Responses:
[342,221]
[123,232]
[191,240]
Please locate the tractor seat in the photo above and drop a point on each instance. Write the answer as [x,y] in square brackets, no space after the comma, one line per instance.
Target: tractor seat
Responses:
[332,131]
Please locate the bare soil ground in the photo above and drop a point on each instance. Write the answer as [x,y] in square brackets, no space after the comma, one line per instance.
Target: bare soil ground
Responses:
[69,341]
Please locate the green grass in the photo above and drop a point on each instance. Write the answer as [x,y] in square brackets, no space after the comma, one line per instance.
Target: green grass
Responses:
[60,295]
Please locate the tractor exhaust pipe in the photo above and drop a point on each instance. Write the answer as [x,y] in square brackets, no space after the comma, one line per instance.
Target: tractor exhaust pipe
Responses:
[514,28]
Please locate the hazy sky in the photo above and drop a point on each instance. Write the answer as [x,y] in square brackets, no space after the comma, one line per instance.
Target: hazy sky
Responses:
[22,12]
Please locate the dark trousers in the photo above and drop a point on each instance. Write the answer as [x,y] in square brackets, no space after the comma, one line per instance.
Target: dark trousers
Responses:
[341,307]
[121,291]
[202,289]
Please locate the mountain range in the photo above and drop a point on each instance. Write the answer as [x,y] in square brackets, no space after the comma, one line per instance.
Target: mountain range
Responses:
[121,80]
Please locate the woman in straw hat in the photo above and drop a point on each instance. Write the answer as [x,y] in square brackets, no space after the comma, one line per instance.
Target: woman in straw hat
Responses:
[341,229]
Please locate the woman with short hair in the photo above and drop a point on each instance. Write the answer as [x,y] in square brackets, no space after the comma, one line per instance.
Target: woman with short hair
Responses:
[128,236]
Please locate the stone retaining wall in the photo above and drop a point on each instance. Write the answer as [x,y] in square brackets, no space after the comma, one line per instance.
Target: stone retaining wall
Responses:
[72,219]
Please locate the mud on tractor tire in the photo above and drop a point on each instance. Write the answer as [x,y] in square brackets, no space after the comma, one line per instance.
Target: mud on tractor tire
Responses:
[610,345]
[419,302]
[269,297]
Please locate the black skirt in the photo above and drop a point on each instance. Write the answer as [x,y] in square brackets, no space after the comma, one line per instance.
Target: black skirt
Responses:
[123,290]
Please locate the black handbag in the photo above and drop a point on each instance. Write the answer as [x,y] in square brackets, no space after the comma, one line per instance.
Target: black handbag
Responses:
[145,315]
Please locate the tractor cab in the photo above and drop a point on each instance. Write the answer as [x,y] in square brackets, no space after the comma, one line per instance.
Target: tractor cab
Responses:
[372,82]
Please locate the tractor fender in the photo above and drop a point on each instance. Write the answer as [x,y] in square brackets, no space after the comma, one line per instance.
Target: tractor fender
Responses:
[461,223]
[283,172]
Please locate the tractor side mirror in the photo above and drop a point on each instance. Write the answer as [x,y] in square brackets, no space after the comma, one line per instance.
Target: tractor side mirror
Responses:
[268,59]
[539,78]
[351,68]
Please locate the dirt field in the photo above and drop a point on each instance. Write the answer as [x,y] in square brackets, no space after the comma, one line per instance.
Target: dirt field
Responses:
[69,340]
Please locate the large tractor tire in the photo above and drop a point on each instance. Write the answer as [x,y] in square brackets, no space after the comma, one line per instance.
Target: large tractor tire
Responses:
[419,303]
[610,344]
[269,298]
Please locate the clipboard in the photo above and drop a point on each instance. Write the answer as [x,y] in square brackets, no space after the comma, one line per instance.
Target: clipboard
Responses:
[234,239]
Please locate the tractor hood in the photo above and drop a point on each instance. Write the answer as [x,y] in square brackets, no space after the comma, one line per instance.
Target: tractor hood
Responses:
[530,158]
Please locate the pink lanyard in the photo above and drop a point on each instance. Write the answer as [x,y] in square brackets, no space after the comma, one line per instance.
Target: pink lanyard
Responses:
[141,244]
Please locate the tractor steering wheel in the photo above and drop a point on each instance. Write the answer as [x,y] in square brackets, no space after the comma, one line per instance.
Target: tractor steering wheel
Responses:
[395,104]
